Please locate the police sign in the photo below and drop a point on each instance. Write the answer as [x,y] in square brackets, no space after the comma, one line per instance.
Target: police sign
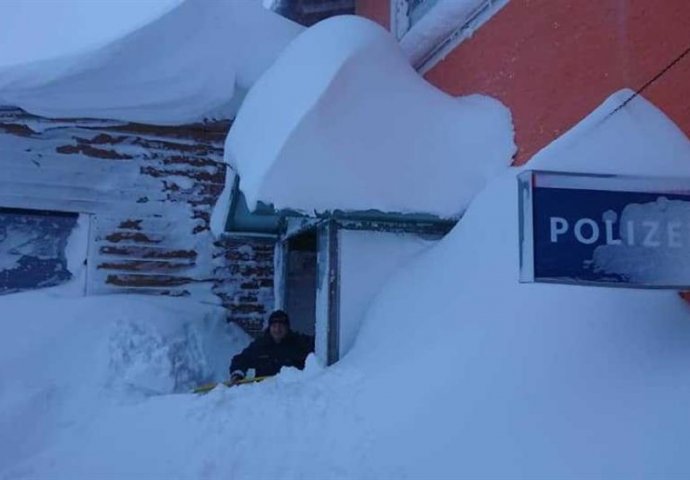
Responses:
[604,230]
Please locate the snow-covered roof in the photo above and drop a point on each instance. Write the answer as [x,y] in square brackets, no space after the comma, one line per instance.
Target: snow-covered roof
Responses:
[341,121]
[36,30]
[194,62]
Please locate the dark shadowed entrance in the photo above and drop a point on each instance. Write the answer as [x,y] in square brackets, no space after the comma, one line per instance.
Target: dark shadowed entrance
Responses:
[300,281]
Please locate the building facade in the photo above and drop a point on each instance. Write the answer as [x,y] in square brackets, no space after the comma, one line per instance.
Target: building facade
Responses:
[552,63]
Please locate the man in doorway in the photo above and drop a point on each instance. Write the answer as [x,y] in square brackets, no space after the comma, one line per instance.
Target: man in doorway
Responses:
[277,347]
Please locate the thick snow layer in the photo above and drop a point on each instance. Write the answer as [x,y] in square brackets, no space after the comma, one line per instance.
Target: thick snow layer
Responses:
[194,62]
[367,260]
[358,129]
[529,379]
[64,357]
[459,370]
[37,30]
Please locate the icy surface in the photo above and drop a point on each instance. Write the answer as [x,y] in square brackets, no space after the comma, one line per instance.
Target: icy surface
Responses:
[221,209]
[193,63]
[359,129]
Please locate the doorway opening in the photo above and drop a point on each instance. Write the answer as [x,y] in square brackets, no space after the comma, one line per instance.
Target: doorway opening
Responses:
[300,281]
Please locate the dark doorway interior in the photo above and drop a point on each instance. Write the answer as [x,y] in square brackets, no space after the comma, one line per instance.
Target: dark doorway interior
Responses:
[300,284]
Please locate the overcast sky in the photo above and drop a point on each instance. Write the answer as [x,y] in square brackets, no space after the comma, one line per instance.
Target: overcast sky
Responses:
[39,29]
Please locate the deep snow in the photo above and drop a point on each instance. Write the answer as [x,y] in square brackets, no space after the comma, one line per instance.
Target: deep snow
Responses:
[194,62]
[458,370]
[359,129]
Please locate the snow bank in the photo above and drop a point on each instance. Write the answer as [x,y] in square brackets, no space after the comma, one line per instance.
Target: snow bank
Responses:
[192,63]
[63,357]
[533,380]
[358,129]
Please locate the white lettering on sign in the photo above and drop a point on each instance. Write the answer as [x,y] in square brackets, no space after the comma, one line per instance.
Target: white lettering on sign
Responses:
[651,239]
[593,227]
[651,233]
[631,233]
[610,218]
[673,233]
[559,226]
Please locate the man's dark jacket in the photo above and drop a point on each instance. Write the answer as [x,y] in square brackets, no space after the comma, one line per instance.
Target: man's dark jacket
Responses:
[267,356]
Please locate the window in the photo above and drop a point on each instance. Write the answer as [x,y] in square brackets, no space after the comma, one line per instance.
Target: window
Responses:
[446,24]
[33,247]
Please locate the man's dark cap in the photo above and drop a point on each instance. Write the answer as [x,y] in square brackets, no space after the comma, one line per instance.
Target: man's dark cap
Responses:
[279,316]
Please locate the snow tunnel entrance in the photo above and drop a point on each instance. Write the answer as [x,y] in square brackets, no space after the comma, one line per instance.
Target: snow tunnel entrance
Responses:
[300,281]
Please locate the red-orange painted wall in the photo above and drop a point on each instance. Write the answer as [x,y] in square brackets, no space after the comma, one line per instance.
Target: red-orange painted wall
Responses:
[376,10]
[553,62]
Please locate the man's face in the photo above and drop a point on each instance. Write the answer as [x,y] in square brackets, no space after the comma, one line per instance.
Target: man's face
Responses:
[278,330]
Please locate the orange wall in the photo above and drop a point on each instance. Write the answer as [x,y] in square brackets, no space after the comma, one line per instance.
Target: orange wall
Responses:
[377,10]
[552,62]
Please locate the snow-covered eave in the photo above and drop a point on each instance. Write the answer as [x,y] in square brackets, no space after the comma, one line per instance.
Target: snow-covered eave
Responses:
[17,121]
[372,219]
[348,138]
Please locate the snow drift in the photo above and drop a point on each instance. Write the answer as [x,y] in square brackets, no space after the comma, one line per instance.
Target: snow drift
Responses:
[341,121]
[64,358]
[533,380]
[194,62]
[459,370]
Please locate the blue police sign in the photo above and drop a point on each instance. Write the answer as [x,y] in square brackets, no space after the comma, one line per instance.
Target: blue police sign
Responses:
[604,230]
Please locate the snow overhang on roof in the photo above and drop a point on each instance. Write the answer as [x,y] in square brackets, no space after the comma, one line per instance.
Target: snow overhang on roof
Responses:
[193,63]
[342,122]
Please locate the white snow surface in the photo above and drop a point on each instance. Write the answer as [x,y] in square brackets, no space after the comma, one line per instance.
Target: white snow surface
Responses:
[77,246]
[359,129]
[459,371]
[637,139]
[40,30]
[65,359]
[366,261]
[193,63]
